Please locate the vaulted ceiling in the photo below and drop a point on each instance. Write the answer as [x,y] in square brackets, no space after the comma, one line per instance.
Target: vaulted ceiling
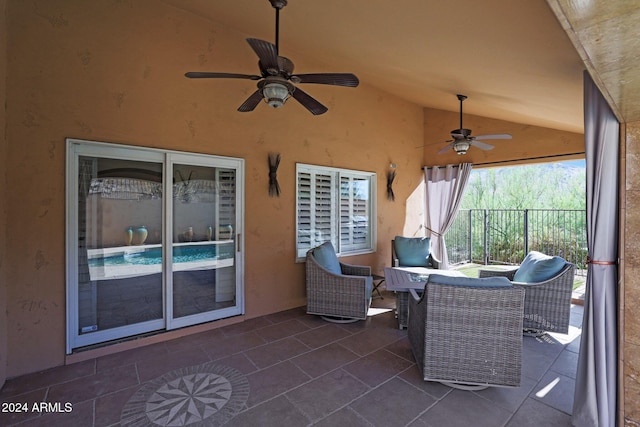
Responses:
[520,61]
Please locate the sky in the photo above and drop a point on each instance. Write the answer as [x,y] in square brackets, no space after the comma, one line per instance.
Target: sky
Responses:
[574,163]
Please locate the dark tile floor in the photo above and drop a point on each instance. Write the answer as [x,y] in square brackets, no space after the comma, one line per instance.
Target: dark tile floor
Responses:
[292,369]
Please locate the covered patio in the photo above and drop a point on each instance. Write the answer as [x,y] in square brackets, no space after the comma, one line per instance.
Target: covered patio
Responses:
[114,72]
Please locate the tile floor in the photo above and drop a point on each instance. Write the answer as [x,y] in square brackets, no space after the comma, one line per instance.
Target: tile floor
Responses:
[291,369]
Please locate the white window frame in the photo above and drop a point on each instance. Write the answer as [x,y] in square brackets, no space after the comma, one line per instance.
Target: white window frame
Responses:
[330,216]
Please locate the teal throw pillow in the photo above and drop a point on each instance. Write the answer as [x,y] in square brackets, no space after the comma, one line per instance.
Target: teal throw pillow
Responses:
[326,256]
[538,267]
[412,251]
[485,282]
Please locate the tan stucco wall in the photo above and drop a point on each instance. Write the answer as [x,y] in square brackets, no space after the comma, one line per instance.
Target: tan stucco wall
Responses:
[3,206]
[113,71]
[630,293]
[528,142]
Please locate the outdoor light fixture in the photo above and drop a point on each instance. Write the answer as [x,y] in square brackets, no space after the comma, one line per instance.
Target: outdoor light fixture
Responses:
[461,147]
[275,94]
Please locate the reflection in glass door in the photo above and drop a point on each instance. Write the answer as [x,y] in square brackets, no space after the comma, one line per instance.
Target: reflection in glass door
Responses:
[119,246]
[153,240]
[203,255]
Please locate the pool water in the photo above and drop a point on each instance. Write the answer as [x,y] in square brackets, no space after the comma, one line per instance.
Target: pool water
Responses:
[153,256]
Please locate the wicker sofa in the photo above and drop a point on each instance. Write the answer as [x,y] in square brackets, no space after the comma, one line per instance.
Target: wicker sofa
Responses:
[336,291]
[467,332]
[547,303]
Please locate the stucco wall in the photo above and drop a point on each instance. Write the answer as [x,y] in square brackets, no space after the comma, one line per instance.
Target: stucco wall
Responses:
[113,71]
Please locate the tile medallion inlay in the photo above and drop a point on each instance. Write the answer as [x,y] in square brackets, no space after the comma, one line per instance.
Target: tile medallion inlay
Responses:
[202,395]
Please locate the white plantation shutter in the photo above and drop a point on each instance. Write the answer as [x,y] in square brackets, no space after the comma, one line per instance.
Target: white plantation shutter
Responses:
[324,209]
[303,213]
[316,210]
[334,205]
[354,213]
[226,181]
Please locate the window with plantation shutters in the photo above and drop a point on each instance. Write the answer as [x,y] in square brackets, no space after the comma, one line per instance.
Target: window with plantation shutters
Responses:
[354,212]
[334,205]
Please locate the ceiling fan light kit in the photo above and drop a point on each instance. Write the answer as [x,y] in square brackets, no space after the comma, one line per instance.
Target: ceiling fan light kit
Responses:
[275,94]
[461,147]
[276,77]
[462,139]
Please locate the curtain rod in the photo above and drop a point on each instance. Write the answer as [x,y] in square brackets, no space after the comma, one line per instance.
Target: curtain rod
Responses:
[519,160]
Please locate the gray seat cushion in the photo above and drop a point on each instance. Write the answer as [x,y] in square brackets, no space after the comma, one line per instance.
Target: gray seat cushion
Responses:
[492,282]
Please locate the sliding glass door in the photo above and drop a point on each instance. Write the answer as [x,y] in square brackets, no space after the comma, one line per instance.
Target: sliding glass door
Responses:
[203,237]
[152,240]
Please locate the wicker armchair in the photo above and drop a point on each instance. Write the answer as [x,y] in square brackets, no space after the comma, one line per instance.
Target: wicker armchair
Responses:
[467,335]
[429,262]
[547,304]
[336,291]
[421,246]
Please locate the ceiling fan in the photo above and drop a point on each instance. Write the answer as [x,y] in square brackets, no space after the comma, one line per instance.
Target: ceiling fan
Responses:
[276,79]
[462,139]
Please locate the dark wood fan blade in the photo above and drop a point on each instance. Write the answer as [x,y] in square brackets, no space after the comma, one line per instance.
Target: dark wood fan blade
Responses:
[251,103]
[268,55]
[206,75]
[309,103]
[336,79]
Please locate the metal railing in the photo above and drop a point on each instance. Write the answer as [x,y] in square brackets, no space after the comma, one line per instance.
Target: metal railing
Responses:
[505,236]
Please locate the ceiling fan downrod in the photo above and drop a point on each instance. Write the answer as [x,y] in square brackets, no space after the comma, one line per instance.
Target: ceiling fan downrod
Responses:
[277,5]
[461,98]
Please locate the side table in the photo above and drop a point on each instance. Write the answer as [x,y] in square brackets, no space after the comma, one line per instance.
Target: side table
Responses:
[380,280]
